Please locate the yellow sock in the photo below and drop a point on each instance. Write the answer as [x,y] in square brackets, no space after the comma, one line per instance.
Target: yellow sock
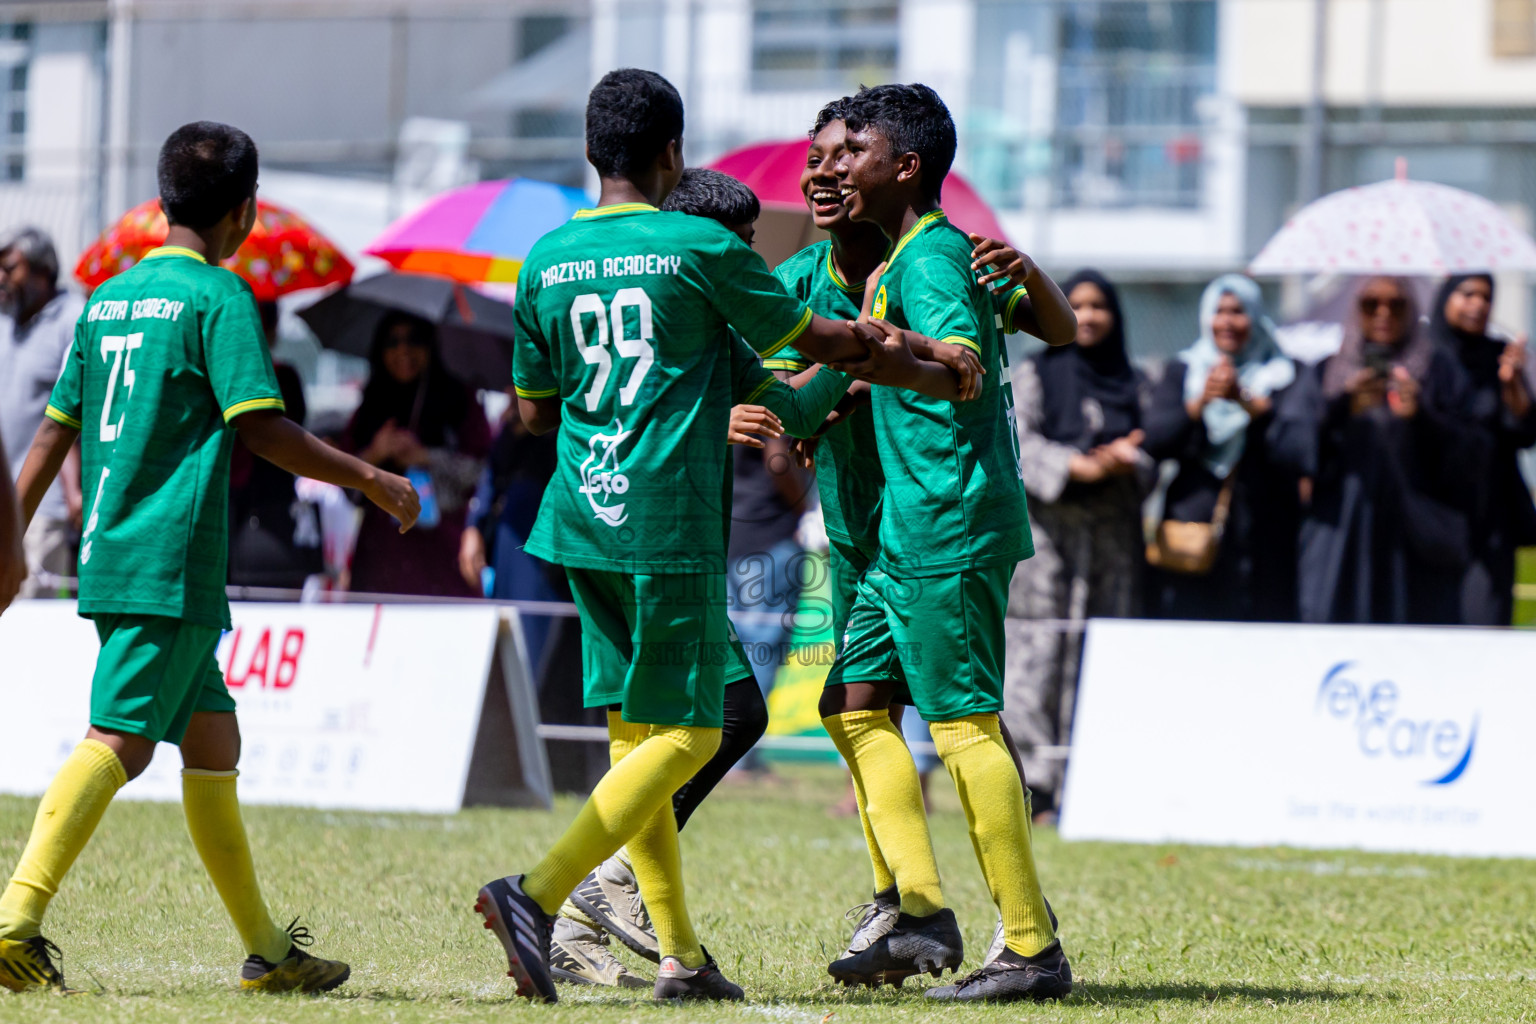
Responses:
[213,819]
[623,802]
[66,817]
[987,781]
[656,860]
[883,771]
[883,877]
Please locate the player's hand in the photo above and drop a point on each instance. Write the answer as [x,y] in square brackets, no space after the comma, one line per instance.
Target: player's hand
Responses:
[1007,262]
[472,557]
[749,420]
[888,359]
[395,495]
[804,451]
[871,286]
[1403,394]
[966,365]
[1512,386]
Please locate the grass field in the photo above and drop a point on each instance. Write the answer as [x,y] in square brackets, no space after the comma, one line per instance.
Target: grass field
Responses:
[1155,933]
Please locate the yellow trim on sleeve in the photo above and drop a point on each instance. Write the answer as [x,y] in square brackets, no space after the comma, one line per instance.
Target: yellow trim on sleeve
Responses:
[762,387]
[58,415]
[175,250]
[240,408]
[604,211]
[1009,309]
[542,393]
[788,339]
[789,365]
[955,339]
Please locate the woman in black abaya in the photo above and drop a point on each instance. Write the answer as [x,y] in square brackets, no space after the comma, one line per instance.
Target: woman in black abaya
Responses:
[1496,404]
[1387,538]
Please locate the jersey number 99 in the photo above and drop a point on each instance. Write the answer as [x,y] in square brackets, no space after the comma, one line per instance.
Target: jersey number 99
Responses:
[596,352]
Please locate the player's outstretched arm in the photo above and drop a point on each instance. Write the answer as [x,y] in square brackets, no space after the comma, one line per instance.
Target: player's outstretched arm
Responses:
[1047,315]
[50,446]
[282,442]
[804,403]
[13,560]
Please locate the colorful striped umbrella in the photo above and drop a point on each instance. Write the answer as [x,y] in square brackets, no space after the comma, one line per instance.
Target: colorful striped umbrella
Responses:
[479,233]
[283,253]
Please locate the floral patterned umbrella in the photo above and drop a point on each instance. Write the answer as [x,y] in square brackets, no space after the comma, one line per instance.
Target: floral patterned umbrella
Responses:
[1397,227]
[283,254]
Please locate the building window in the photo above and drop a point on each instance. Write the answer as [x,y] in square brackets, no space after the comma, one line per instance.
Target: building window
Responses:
[1514,28]
[15,55]
[823,44]
[1129,98]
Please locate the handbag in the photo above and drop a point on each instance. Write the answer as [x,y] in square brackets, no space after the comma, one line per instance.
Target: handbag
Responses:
[1191,548]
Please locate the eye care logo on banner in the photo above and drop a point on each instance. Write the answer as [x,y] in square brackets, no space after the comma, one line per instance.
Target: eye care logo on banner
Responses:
[1388,728]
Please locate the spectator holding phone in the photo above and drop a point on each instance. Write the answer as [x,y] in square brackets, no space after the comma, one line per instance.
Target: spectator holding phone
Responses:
[417,420]
[1387,536]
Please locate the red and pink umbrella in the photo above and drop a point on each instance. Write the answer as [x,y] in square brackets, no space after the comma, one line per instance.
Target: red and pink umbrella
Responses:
[772,171]
[283,254]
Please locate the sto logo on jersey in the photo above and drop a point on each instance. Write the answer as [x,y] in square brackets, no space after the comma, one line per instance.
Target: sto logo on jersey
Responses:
[601,480]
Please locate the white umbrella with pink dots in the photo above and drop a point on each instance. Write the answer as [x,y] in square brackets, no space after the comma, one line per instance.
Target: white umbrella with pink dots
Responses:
[1397,227]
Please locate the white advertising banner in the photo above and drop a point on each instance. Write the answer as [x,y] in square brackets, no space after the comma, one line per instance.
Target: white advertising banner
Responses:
[383,707]
[1370,737]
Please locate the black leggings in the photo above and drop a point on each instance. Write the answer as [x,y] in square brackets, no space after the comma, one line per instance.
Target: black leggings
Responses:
[746,719]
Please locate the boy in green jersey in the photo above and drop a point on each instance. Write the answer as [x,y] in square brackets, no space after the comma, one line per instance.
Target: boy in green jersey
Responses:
[608,899]
[168,362]
[830,276]
[622,343]
[953,525]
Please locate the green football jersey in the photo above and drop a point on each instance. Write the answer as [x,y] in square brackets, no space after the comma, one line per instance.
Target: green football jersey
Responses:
[954,495]
[623,314]
[165,355]
[848,474]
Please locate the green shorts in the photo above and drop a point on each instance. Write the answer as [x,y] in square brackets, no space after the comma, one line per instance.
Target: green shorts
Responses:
[154,672]
[939,637]
[655,644]
[866,653]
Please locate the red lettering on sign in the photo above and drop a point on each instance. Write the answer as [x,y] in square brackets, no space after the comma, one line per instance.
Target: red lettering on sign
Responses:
[288,661]
[257,666]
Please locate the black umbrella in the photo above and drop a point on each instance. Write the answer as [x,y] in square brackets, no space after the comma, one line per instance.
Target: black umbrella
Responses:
[474,331]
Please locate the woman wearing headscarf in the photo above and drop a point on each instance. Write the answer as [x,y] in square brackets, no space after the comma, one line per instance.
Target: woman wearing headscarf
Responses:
[1212,413]
[1495,402]
[1080,430]
[1387,536]
[415,418]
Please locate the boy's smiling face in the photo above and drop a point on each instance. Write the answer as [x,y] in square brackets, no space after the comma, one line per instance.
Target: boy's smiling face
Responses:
[819,181]
[867,169]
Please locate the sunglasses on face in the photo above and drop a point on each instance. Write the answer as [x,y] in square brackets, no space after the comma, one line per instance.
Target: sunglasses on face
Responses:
[393,342]
[1396,307]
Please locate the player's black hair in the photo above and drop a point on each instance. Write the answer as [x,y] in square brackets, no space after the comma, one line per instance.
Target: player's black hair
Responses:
[915,120]
[708,193]
[206,169]
[631,116]
[837,110]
